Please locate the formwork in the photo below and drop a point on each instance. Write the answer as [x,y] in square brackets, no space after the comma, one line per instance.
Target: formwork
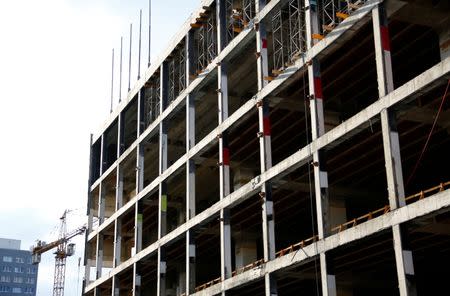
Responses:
[295,147]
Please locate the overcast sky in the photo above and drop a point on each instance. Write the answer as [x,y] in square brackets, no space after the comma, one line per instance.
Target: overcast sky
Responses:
[55,71]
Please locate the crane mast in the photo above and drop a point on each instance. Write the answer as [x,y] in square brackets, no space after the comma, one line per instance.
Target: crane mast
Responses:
[63,250]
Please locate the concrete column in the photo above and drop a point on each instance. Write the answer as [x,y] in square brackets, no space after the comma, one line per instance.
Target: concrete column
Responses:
[90,213]
[102,155]
[338,212]
[162,214]
[265,146]
[136,280]
[224,151]
[115,291]
[318,129]
[97,291]
[101,197]
[394,175]
[245,250]
[101,218]
[138,217]
[90,181]
[99,256]
[118,222]
[242,176]
[120,135]
[190,168]
[444,42]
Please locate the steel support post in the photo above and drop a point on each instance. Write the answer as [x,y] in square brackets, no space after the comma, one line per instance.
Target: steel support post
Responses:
[264,134]
[190,166]
[162,214]
[224,152]
[318,129]
[391,144]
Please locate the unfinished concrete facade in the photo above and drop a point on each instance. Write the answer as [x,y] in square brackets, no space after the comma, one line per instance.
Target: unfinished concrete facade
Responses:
[276,148]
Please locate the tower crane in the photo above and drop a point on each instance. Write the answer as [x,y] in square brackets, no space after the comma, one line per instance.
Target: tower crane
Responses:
[64,249]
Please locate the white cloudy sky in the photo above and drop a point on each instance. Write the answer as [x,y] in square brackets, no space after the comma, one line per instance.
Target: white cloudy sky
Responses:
[55,69]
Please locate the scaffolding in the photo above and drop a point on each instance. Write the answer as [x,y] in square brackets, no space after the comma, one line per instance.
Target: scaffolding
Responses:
[289,34]
[239,16]
[334,12]
[152,100]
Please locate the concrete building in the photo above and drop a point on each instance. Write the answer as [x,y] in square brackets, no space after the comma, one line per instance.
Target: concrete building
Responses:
[17,275]
[283,147]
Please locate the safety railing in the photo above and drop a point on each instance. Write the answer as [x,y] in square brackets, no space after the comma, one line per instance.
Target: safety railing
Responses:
[347,225]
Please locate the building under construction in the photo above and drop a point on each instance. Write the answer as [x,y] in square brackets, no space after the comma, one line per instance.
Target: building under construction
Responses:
[283,147]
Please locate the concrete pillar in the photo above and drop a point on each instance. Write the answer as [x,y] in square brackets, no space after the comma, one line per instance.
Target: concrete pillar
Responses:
[245,248]
[87,255]
[163,154]
[190,168]
[102,155]
[338,212]
[242,176]
[264,134]
[181,284]
[101,204]
[136,280]
[444,42]
[394,175]
[115,290]
[97,291]
[99,256]
[138,214]
[318,129]
[224,151]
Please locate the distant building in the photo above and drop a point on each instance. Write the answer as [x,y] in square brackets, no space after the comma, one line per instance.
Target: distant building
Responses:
[17,275]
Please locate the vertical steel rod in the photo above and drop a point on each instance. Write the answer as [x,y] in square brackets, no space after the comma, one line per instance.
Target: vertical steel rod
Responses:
[140,45]
[120,69]
[149,30]
[129,60]
[112,82]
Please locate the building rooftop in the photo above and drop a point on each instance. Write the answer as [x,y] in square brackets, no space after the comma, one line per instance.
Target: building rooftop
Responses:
[7,243]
